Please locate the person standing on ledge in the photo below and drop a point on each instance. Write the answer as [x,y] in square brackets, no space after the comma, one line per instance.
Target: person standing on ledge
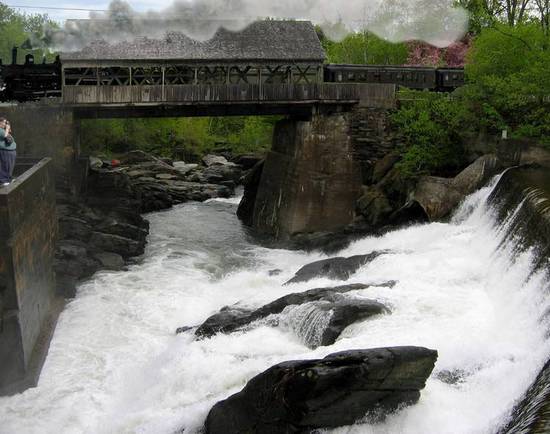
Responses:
[7,152]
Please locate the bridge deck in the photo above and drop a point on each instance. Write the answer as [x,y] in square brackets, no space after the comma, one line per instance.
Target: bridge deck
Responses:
[372,95]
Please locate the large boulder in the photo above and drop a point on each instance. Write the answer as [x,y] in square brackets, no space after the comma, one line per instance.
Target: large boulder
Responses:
[374,206]
[211,160]
[339,268]
[300,396]
[439,196]
[320,323]
[232,318]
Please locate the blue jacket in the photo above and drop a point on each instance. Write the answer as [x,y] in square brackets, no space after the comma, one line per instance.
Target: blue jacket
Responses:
[4,145]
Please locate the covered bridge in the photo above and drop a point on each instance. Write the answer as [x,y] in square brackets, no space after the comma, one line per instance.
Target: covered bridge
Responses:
[146,70]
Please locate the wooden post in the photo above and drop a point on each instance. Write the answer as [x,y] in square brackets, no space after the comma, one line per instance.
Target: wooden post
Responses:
[260,83]
[163,93]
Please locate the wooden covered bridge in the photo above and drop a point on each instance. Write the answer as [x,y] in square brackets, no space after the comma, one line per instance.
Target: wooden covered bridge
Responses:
[270,67]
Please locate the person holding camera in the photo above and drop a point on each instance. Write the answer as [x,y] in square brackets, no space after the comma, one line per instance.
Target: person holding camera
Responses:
[7,152]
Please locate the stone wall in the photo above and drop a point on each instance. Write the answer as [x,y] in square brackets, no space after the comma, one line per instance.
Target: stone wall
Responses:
[372,138]
[310,180]
[27,282]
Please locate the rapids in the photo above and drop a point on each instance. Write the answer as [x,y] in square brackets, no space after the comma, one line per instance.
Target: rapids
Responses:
[115,364]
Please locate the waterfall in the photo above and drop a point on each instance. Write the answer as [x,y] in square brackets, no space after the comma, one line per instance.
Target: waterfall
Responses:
[308,321]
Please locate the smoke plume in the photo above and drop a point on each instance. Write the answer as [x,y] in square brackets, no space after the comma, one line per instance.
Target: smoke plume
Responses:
[437,22]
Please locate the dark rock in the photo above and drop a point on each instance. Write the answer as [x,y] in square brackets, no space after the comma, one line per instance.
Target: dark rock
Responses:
[109,261]
[251,182]
[230,319]
[374,206]
[275,272]
[383,166]
[299,396]
[70,249]
[117,244]
[116,227]
[137,156]
[320,323]
[77,267]
[165,176]
[217,174]
[184,168]
[74,228]
[247,162]
[183,329]
[411,212]
[339,268]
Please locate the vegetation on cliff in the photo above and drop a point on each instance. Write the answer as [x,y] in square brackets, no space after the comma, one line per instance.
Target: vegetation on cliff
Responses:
[508,88]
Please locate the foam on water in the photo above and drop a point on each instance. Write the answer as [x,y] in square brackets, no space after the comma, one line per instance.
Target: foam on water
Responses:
[116,366]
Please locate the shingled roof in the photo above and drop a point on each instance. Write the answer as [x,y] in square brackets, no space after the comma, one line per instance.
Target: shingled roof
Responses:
[261,41]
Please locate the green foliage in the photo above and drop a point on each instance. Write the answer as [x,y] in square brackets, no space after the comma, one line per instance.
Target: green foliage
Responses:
[361,48]
[431,124]
[16,29]
[165,136]
[510,85]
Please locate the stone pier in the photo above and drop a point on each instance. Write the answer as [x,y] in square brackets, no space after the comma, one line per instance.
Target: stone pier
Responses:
[310,180]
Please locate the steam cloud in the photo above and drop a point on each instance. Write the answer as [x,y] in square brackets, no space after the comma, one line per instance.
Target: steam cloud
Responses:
[437,22]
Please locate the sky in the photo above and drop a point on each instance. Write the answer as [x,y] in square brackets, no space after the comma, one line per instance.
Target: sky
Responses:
[33,6]
[440,23]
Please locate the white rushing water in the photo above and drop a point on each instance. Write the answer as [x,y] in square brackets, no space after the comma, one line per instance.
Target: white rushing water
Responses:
[116,366]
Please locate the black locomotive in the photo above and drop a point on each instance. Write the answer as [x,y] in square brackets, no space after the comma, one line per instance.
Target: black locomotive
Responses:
[413,77]
[29,81]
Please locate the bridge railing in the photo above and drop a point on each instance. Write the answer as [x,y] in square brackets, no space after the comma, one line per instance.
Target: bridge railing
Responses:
[232,93]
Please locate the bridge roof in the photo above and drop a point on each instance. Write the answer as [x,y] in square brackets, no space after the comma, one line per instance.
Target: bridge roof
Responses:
[262,41]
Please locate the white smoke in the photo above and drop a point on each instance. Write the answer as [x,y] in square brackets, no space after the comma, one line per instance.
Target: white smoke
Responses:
[437,22]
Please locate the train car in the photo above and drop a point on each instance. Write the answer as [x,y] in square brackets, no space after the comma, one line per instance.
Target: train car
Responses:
[413,77]
[408,76]
[449,79]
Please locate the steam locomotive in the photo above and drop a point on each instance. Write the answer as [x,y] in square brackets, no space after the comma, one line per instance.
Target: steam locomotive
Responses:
[29,81]
[32,81]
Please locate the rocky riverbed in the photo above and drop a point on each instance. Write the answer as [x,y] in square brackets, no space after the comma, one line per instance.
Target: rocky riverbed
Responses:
[104,228]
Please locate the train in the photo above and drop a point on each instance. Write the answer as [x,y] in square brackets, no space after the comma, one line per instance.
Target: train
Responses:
[32,81]
[412,77]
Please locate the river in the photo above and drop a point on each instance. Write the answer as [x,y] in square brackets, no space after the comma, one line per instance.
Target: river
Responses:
[115,364]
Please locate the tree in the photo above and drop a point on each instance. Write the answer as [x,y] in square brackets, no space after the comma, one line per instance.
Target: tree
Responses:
[543,9]
[508,71]
[17,28]
[516,11]
[365,48]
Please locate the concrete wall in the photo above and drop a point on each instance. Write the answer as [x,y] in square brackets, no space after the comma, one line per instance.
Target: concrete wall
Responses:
[310,180]
[27,282]
[46,129]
